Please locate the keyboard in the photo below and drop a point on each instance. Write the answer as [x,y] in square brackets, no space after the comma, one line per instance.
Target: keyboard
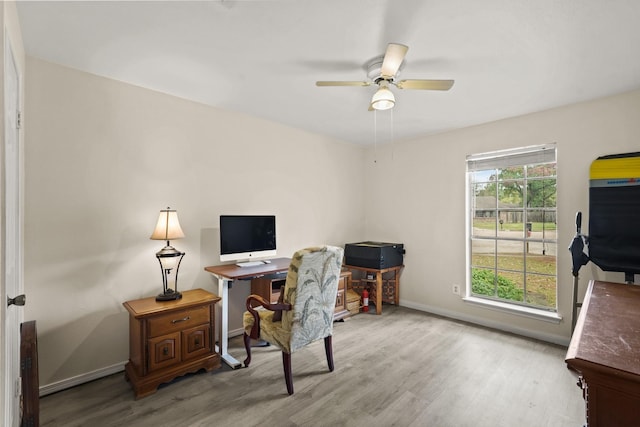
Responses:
[250,264]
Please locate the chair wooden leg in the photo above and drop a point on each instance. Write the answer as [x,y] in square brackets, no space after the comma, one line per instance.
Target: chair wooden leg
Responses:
[286,363]
[328,349]
[247,347]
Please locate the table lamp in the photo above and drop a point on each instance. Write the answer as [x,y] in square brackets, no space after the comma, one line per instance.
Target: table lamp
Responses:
[168,228]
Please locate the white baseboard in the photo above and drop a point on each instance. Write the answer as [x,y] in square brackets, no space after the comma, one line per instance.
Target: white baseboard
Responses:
[98,373]
[81,379]
[552,338]
[236,332]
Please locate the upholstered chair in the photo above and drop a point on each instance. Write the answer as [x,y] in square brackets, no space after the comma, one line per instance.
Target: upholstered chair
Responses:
[305,311]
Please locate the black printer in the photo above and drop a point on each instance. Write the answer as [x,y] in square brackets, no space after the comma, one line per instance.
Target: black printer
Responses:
[376,255]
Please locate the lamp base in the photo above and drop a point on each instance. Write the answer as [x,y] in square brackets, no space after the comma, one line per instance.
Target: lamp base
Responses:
[169,295]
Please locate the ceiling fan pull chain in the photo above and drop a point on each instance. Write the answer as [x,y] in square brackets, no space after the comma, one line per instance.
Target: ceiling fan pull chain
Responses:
[393,137]
[375,136]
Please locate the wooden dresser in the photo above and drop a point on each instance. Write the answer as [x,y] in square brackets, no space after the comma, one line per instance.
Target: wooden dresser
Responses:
[168,339]
[605,352]
[268,287]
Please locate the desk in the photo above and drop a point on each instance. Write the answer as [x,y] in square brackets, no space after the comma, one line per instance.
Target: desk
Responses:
[227,273]
[605,351]
[377,293]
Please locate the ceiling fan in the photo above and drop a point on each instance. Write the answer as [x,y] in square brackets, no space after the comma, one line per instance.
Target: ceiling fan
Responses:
[383,72]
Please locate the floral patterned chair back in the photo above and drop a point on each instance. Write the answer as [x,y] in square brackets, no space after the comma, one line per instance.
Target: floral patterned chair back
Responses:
[311,288]
[305,312]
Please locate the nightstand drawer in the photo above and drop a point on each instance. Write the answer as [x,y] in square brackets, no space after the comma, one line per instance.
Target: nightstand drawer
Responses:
[178,321]
[164,351]
[196,342]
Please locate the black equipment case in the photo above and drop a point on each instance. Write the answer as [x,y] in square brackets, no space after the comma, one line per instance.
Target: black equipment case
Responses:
[614,213]
[376,255]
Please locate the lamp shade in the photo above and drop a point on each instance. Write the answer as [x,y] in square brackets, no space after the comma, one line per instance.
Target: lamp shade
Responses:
[168,226]
[383,99]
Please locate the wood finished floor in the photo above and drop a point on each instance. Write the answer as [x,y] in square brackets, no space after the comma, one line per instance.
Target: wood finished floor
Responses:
[403,368]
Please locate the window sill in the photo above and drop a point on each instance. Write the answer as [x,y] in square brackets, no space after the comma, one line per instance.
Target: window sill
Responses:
[529,312]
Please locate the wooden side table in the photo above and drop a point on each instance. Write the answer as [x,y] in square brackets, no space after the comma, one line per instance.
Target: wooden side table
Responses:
[377,294]
[168,339]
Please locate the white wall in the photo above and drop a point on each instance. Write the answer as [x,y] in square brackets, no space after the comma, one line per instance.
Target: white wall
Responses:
[104,157]
[420,189]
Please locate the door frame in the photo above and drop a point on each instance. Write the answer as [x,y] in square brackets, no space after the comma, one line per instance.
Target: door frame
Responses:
[11,259]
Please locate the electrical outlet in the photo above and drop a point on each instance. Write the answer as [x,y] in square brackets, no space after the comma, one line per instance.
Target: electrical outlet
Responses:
[456,289]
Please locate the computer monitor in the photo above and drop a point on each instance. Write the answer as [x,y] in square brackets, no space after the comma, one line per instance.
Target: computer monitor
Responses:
[247,237]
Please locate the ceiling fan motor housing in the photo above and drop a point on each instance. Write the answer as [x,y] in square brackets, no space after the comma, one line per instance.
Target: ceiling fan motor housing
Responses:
[374,68]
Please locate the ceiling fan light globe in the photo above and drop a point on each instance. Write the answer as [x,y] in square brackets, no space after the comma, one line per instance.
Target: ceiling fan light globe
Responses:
[383,105]
[383,99]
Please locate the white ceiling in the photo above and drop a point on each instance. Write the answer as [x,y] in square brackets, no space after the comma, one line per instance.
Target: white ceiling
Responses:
[262,57]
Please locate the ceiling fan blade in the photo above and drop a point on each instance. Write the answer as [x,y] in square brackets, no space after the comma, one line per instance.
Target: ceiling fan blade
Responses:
[344,83]
[393,58]
[425,84]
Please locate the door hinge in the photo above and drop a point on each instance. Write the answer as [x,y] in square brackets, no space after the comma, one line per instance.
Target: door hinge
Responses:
[19,120]
[18,388]
[25,364]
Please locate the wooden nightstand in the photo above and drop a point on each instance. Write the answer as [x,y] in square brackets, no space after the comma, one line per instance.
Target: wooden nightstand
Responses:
[168,339]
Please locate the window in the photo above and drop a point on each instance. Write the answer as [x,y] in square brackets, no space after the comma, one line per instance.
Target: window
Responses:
[512,226]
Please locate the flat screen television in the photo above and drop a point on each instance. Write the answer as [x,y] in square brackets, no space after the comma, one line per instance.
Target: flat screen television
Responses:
[247,237]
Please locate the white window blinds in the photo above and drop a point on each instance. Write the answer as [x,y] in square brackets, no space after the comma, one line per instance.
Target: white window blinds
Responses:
[532,155]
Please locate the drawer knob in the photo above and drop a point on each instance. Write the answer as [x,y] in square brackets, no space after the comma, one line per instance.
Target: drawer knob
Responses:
[184,319]
[165,351]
